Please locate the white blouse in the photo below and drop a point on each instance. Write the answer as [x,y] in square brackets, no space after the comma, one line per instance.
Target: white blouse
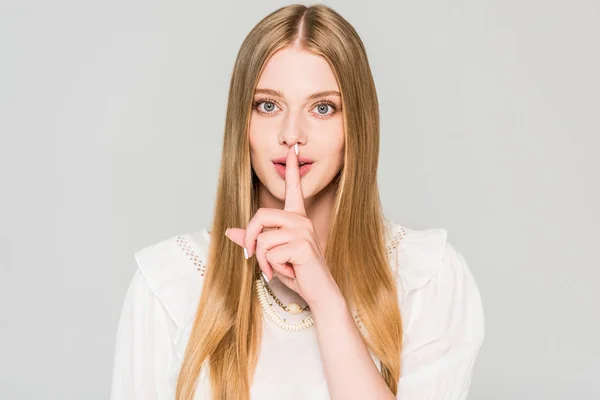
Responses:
[441,309]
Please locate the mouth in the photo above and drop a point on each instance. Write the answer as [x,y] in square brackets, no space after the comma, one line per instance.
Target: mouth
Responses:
[303,168]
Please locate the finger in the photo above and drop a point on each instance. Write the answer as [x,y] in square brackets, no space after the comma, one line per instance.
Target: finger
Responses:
[236,235]
[268,218]
[267,241]
[281,259]
[294,198]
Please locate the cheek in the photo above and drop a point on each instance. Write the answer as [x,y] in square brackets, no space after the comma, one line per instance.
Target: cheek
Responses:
[258,141]
[336,144]
[331,155]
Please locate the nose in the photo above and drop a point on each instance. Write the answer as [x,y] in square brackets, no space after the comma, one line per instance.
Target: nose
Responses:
[293,132]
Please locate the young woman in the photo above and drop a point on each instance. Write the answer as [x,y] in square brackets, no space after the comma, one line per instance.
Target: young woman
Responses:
[302,289]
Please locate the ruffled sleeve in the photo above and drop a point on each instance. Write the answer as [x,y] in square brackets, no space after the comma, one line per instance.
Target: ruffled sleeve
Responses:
[442,317]
[157,313]
[142,348]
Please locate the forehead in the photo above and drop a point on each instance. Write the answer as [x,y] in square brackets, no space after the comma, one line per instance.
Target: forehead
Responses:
[297,73]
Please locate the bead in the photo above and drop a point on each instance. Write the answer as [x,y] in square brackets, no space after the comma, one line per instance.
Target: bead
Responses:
[274,317]
[294,308]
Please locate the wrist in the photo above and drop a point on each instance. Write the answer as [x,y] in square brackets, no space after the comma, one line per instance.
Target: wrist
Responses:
[330,304]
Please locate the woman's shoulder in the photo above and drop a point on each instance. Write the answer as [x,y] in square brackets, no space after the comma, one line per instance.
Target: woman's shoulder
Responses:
[443,323]
[432,276]
[420,247]
[174,269]
[418,254]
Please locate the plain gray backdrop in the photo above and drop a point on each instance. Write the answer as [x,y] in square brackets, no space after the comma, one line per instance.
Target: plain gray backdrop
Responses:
[112,116]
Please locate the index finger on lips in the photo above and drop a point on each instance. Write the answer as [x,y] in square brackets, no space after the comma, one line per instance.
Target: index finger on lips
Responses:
[294,198]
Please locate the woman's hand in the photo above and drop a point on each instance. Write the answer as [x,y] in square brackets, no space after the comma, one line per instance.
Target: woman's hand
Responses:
[292,249]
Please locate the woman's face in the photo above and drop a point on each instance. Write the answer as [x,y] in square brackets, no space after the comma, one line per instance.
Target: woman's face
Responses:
[284,112]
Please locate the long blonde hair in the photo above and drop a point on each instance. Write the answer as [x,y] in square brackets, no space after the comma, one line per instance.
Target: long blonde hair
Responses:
[227,330]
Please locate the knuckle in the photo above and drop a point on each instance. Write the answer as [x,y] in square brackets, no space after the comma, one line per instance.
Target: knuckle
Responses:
[270,260]
[308,225]
[308,235]
[308,245]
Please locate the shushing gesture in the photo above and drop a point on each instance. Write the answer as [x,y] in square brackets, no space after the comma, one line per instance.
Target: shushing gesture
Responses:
[291,250]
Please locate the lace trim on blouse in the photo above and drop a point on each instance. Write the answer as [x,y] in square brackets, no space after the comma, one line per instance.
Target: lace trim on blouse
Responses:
[185,246]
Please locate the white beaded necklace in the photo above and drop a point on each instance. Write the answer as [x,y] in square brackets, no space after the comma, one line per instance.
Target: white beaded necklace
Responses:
[282,323]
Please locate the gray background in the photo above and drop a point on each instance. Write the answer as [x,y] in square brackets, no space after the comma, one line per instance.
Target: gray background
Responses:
[111,120]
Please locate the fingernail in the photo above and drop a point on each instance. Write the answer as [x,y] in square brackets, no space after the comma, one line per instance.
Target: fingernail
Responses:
[226,230]
[265,276]
[296,148]
[245,253]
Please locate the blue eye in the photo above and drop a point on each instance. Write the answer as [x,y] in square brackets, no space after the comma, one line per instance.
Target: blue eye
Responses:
[271,104]
[323,107]
[269,109]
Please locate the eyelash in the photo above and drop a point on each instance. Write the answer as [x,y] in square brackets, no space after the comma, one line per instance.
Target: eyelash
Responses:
[268,100]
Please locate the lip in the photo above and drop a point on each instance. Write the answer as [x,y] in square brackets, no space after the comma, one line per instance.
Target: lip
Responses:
[281,169]
[281,160]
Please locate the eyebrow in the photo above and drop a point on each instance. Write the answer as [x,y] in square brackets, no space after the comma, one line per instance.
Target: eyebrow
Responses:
[279,94]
